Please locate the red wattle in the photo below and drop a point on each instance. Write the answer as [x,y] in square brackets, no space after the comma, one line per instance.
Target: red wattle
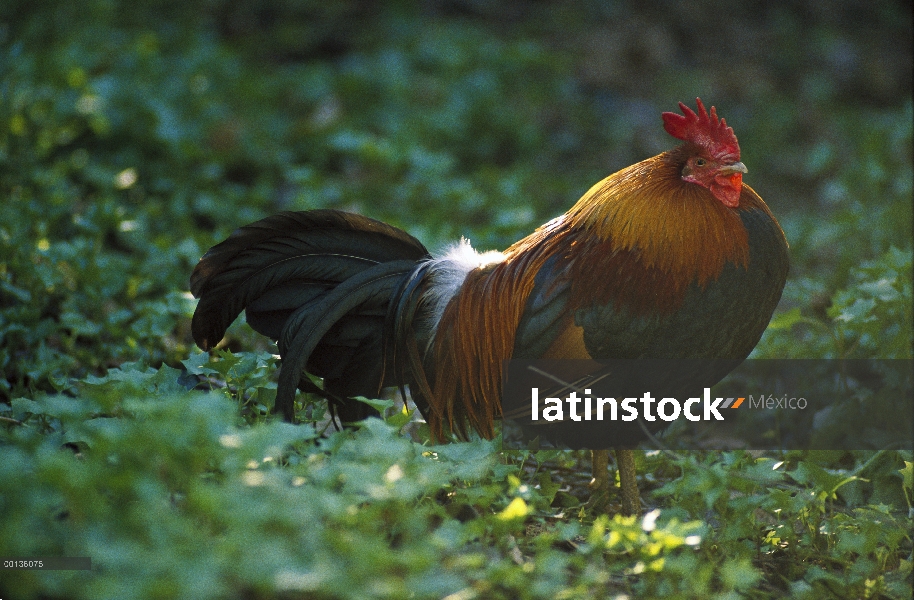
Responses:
[727,188]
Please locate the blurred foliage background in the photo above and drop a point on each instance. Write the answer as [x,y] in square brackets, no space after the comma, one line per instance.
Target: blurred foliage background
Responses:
[133,136]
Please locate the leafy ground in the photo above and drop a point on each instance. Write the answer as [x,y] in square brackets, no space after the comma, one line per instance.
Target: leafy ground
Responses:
[134,136]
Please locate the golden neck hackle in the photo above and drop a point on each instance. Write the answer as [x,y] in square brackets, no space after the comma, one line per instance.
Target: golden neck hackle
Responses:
[676,227]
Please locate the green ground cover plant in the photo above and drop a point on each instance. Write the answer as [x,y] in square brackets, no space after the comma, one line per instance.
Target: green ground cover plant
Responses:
[133,136]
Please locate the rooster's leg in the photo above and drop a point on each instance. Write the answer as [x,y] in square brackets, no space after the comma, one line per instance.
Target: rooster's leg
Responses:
[599,485]
[631,500]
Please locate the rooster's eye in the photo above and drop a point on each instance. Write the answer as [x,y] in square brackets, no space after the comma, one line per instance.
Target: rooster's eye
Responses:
[699,162]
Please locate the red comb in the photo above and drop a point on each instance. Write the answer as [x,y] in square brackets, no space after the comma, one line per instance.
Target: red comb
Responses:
[703,130]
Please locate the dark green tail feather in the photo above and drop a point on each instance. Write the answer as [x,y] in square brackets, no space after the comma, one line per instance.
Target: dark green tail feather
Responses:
[322,282]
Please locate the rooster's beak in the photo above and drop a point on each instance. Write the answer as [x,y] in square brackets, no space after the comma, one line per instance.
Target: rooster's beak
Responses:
[736,167]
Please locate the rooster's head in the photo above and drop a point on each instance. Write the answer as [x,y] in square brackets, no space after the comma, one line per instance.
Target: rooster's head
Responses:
[713,157]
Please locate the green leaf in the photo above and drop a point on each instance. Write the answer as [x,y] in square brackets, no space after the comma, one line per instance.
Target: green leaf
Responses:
[786,320]
[165,381]
[860,311]
[379,405]
[400,418]
[225,362]
[26,406]
[907,474]
[516,509]
[814,475]
[739,574]
[465,452]
[196,364]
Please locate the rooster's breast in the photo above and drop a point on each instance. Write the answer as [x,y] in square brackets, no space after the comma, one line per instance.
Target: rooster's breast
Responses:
[725,318]
[722,318]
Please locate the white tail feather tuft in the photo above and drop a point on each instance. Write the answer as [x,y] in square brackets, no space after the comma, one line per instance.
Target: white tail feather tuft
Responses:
[447,275]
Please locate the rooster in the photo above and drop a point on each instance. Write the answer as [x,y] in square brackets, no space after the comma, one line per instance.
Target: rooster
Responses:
[672,257]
